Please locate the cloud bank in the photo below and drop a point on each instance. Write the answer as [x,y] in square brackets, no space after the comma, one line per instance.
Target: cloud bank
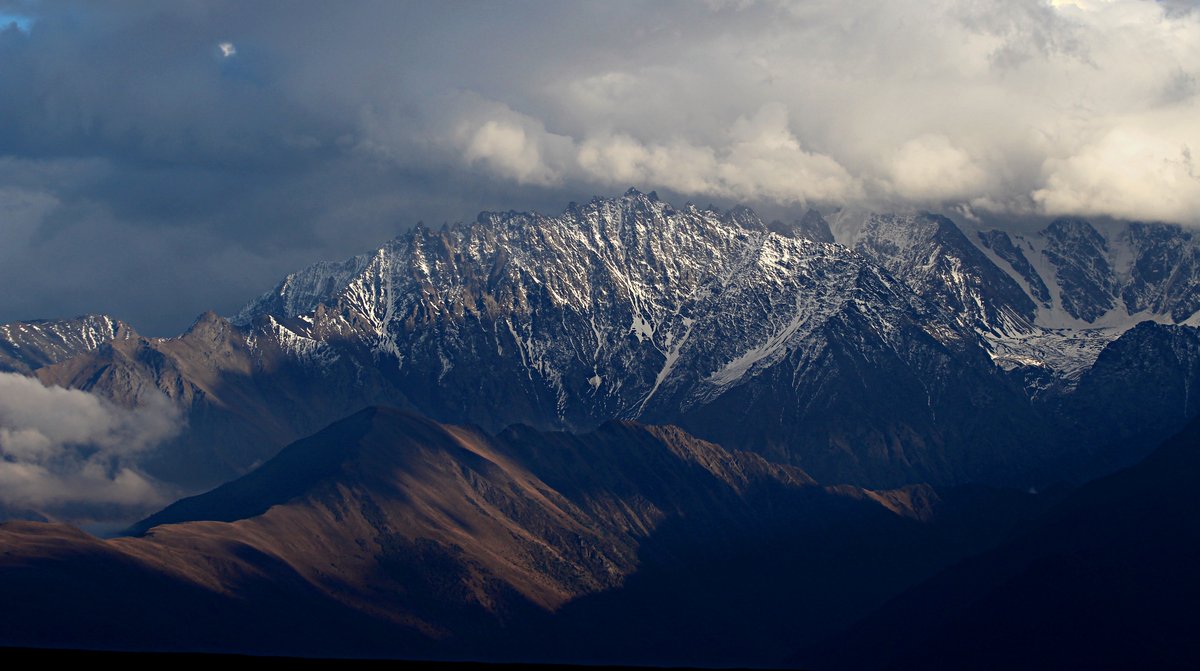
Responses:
[69,449]
[139,134]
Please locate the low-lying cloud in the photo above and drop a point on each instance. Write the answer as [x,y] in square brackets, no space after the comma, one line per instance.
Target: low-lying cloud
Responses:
[66,448]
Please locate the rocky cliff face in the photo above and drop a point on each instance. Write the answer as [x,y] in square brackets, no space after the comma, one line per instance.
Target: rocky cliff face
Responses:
[1163,271]
[934,258]
[1082,276]
[1045,305]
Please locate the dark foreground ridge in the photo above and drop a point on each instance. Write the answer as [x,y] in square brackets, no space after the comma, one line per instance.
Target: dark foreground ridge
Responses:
[1105,580]
[391,535]
[45,656]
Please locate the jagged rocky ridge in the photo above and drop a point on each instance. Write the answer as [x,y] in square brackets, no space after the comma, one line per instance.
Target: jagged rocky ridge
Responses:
[870,362]
[27,346]
[1048,303]
[631,308]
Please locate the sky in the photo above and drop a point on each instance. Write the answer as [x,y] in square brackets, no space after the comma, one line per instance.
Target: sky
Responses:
[159,159]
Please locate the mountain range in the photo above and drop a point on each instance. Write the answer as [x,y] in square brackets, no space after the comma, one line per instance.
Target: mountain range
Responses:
[913,352]
[639,433]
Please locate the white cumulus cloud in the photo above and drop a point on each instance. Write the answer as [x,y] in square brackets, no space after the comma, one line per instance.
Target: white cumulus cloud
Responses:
[931,168]
[1082,107]
[65,447]
[1133,171]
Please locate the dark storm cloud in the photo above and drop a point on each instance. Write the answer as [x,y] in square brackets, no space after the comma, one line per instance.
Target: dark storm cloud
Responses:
[159,159]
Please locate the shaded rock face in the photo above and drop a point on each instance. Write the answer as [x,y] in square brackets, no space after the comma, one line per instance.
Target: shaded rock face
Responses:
[1080,256]
[812,226]
[1164,271]
[1141,390]
[1002,245]
[1133,269]
[934,258]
